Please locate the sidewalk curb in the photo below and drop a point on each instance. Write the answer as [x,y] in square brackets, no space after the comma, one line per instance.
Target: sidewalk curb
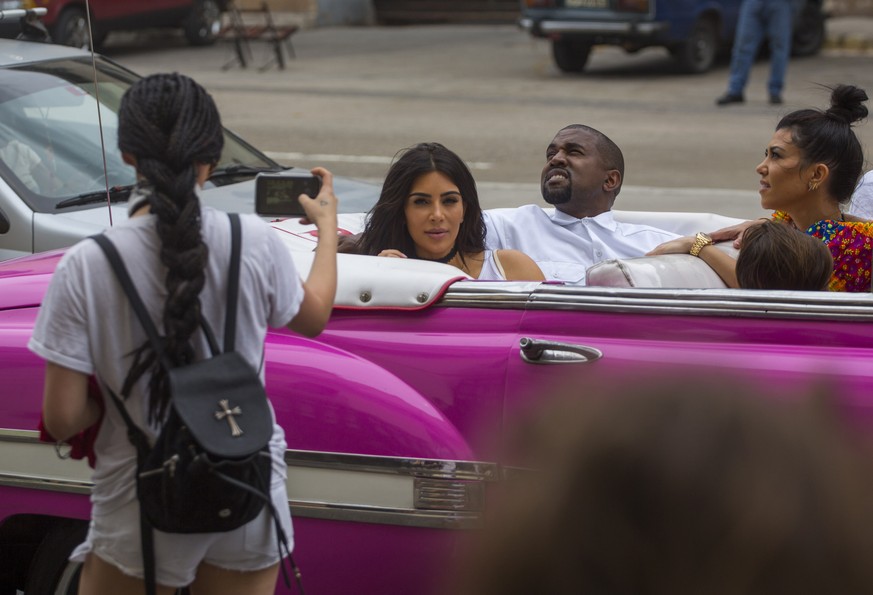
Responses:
[853,32]
[848,41]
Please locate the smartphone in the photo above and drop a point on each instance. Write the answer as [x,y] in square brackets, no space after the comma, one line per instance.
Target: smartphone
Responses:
[276,193]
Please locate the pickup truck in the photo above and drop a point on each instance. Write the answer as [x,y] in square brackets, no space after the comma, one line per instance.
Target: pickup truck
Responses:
[694,31]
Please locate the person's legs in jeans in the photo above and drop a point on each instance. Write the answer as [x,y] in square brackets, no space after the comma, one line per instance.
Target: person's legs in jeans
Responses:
[750,32]
[779,16]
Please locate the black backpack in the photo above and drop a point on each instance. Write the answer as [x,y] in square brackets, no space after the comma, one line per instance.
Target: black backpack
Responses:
[209,468]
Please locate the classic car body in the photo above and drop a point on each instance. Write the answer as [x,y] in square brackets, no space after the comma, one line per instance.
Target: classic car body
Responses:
[693,30]
[397,414]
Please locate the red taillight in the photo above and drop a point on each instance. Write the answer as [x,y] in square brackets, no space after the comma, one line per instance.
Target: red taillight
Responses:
[632,5]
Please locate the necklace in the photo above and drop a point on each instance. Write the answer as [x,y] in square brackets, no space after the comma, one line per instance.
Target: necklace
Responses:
[442,260]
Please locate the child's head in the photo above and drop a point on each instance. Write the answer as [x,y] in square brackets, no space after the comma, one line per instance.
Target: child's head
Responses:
[776,256]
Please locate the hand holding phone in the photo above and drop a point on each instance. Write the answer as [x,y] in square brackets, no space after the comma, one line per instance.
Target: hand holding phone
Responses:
[276,194]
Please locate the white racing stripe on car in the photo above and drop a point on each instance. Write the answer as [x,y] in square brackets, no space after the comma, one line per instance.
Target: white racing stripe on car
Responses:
[334,486]
[372,159]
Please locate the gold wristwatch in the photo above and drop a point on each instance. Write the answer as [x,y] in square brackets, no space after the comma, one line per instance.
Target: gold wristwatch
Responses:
[701,241]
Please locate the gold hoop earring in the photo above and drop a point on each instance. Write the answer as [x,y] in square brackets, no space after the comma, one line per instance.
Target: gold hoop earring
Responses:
[813,186]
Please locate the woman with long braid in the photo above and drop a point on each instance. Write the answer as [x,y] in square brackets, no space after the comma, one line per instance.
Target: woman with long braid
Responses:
[177,252]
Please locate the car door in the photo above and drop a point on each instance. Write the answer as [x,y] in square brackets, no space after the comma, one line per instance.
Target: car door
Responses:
[456,358]
[776,343]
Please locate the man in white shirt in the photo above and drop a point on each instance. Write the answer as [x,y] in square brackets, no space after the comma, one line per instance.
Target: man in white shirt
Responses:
[862,199]
[581,178]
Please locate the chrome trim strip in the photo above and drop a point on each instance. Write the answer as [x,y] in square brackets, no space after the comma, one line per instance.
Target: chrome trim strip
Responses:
[680,302]
[429,468]
[318,485]
[427,519]
[69,486]
[432,468]
[405,517]
[10,435]
[597,27]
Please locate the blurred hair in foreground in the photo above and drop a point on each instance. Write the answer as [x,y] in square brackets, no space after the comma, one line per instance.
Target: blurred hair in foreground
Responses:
[698,488]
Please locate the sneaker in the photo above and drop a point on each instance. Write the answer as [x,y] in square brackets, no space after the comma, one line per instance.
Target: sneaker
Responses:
[775,100]
[729,98]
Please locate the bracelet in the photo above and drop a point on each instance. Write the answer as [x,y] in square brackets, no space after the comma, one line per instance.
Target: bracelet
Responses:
[701,241]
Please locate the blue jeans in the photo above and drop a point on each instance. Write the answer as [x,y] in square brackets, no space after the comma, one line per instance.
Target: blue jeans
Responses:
[772,19]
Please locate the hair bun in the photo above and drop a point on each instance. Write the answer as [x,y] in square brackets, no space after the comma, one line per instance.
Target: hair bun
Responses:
[847,104]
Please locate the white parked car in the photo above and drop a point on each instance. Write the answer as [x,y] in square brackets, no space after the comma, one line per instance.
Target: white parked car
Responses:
[52,182]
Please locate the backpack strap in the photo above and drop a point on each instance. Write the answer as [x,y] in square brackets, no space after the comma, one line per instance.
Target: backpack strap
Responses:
[233,282]
[136,302]
[232,291]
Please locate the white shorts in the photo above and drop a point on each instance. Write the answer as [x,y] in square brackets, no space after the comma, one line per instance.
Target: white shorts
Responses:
[115,537]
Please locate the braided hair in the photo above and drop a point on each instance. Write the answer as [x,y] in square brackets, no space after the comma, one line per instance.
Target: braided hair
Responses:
[170,125]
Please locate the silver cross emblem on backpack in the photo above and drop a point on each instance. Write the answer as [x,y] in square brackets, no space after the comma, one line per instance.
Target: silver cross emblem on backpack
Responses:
[225,411]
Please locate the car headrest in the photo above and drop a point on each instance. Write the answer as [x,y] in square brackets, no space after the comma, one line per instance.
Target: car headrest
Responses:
[675,271]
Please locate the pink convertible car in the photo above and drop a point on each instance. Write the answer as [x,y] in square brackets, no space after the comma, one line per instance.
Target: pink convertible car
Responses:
[396,414]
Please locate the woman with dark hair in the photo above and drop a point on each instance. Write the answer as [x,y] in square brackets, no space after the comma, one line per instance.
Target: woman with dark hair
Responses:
[177,252]
[810,169]
[429,210]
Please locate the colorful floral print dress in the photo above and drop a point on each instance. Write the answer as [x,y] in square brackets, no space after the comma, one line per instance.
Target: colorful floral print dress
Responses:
[851,245]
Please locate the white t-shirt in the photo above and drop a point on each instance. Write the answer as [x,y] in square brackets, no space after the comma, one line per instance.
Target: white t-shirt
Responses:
[86,324]
[862,199]
[564,246]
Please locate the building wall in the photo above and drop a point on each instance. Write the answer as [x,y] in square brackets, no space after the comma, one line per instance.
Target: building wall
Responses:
[849,7]
[345,12]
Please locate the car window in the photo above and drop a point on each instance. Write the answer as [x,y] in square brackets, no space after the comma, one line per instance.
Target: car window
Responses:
[50,142]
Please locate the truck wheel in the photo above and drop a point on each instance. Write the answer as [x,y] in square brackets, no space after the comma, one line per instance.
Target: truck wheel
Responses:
[50,572]
[571,55]
[809,31]
[203,23]
[72,29]
[697,53]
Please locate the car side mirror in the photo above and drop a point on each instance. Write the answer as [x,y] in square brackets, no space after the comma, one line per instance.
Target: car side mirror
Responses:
[32,27]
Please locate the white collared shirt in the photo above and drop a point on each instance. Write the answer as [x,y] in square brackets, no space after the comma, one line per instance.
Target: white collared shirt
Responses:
[564,246]
[862,199]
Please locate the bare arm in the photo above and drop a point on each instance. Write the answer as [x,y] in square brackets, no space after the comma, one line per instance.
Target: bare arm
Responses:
[723,265]
[66,407]
[319,288]
[518,266]
[735,232]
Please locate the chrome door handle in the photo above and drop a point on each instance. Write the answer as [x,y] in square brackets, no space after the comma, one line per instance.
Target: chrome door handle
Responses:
[536,351]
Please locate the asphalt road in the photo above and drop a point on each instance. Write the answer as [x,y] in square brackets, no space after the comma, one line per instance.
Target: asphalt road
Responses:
[354,96]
